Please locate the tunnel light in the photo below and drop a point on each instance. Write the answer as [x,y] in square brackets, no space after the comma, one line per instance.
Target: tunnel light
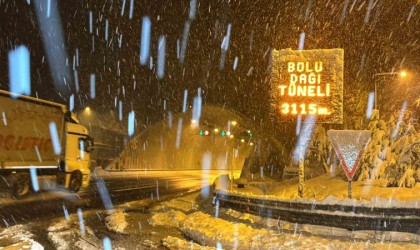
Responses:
[87,110]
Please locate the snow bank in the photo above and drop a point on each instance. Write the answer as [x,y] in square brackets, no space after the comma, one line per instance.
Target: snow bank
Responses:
[222,182]
[60,240]
[185,204]
[211,231]
[65,234]
[16,237]
[170,218]
[27,244]
[208,230]
[179,204]
[330,190]
[138,205]
[71,240]
[116,221]
[317,230]
[177,243]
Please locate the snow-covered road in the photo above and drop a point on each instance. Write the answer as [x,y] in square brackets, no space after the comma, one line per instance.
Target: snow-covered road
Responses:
[189,222]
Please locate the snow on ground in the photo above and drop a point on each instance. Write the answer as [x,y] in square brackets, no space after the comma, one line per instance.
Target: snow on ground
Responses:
[317,230]
[139,205]
[184,204]
[171,212]
[177,243]
[170,218]
[67,234]
[16,237]
[116,221]
[326,185]
[328,190]
[211,231]
[244,231]
[207,230]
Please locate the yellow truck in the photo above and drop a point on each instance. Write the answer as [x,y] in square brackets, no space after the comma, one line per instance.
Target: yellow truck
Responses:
[45,136]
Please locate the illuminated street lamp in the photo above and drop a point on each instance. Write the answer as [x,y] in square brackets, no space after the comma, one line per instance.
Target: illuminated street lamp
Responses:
[233,123]
[87,110]
[402,74]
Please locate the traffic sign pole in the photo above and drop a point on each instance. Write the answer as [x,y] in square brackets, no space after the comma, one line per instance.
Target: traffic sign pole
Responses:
[350,196]
[301,178]
[301,185]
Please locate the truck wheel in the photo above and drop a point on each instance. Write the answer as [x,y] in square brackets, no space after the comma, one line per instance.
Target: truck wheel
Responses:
[20,186]
[76,180]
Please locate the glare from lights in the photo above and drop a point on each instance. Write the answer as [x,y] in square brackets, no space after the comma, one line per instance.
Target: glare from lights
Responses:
[87,109]
[242,140]
[206,132]
[231,136]
[228,133]
[233,123]
[403,73]
[216,130]
[251,144]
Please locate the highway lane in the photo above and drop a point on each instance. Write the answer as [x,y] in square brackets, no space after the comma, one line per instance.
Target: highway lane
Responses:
[121,187]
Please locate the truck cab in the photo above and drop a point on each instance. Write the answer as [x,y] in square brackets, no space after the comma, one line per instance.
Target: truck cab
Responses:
[76,162]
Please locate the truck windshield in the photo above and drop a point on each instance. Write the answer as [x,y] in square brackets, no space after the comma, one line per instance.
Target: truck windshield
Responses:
[86,144]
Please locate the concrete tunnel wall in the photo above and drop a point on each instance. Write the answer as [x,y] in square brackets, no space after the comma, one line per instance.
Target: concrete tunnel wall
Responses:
[155,148]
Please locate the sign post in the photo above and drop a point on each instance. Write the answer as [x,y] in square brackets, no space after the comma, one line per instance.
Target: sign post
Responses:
[349,146]
[307,83]
[301,185]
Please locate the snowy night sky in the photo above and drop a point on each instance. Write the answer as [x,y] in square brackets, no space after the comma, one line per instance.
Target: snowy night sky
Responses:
[377,36]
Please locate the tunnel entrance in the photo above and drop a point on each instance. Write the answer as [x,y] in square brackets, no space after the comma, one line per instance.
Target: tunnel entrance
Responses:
[222,140]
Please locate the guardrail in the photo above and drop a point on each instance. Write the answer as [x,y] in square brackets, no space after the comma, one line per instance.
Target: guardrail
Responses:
[342,216]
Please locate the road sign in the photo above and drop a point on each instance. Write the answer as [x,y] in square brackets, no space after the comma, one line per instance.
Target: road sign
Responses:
[307,83]
[349,146]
